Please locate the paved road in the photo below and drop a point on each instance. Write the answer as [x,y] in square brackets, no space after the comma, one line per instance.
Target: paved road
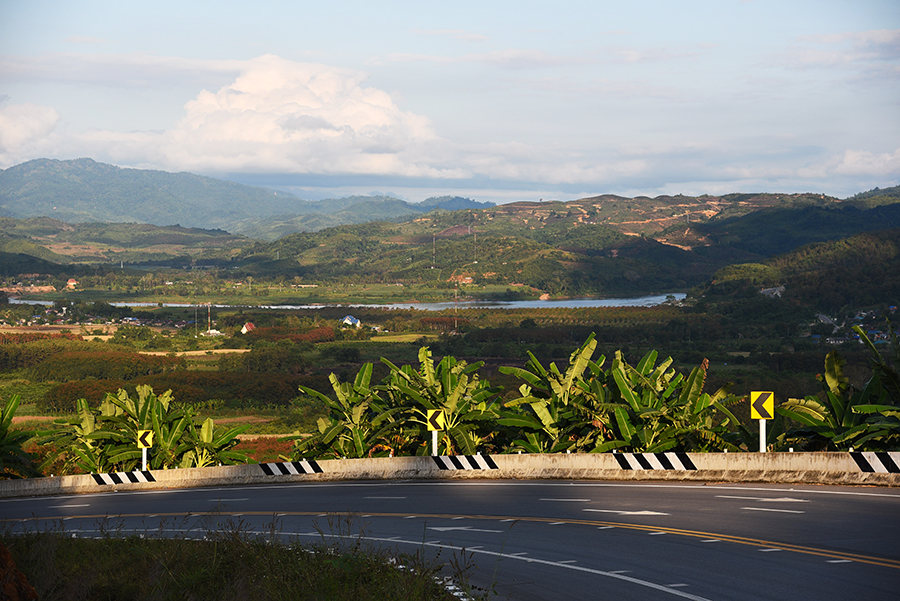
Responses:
[557,540]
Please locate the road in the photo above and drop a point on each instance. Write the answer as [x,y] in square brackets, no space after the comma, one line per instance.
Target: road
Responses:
[550,540]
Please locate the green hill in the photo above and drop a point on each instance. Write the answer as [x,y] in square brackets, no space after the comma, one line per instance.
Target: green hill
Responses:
[862,270]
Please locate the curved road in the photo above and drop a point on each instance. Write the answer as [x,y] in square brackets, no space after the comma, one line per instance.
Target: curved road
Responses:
[555,539]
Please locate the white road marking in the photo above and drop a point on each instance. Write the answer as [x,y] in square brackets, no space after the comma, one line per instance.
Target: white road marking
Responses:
[461,528]
[839,561]
[410,517]
[555,523]
[769,500]
[657,533]
[605,527]
[770,550]
[568,561]
[568,500]
[66,506]
[384,497]
[677,585]
[773,510]
[459,518]
[711,540]
[226,500]
[618,512]
[620,572]
[518,554]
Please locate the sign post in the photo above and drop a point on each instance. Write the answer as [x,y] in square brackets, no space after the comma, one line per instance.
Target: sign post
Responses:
[436,423]
[762,407]
[144,442]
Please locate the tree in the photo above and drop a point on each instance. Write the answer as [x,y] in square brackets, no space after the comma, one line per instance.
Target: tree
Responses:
[14,461]
[358,422]
[453,387]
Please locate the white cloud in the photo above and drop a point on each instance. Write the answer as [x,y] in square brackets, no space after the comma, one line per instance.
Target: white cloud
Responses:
[23,129]
[861,162]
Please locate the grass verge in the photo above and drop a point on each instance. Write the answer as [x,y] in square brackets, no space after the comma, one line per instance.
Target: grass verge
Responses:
[230,563]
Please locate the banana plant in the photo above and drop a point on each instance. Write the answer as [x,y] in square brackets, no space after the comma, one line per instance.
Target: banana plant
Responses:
[863,419]
[357,423]
[82,441]
[661,410]
[558,410]
[211,448]
[14,461]
[452,386]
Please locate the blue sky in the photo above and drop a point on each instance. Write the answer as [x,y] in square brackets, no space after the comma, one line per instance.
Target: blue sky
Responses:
[497,101]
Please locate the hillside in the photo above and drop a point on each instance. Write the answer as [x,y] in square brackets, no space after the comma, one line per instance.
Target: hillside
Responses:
[61,242]
[82,191]
[862,270]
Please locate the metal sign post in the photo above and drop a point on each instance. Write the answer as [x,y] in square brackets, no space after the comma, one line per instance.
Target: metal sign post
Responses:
[436,423]
[762,407]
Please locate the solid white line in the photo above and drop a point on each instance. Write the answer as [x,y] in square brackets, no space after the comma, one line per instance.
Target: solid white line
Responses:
[772,510]
[568,561]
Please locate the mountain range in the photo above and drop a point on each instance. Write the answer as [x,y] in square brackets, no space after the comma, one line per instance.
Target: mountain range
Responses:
[83,191]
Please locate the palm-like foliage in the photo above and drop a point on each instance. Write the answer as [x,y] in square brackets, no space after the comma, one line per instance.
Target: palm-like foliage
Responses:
[358,422]
[452,386]
[105,439]
[661,410]
[557,411]
[14,461]
[865,419]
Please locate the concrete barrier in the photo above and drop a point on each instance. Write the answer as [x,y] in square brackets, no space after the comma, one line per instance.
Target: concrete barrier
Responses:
[873,469]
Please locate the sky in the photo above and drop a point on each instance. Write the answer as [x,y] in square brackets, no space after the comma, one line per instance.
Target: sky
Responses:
[493,100]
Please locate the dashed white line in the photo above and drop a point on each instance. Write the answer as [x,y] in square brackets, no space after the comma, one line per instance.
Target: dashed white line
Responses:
[839,561]
[769,500]
[66,506]
[770,550]
[568,500]
[772,510]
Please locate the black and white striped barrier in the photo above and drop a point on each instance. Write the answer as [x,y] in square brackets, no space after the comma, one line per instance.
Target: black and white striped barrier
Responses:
[123,478]
[655,461]
[882,463]
[292,468]
[465,462]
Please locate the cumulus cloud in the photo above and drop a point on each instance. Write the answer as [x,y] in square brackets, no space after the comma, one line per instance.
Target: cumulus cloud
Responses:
[282,115]
[23,129]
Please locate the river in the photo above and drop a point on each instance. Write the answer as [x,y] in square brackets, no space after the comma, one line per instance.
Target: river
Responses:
[572,303]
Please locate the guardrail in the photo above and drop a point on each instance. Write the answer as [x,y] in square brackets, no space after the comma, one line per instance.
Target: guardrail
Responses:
[873,469]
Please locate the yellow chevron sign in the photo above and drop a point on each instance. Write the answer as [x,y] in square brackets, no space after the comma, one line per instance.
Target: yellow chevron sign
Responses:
[762,405]
[436,420]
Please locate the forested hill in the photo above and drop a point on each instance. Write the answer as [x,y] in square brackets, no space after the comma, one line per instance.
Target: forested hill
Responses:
[859,271]
[82,190]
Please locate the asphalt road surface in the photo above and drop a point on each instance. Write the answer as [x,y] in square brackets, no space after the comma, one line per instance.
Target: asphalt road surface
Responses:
[552,539]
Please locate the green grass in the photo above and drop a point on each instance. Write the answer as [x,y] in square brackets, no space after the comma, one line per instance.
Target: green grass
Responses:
[233,562]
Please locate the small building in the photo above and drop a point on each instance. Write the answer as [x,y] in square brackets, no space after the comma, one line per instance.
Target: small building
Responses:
[248,327]
[71,283]
[349,320]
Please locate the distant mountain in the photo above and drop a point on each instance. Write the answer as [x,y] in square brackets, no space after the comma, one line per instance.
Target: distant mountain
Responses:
[82,191]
